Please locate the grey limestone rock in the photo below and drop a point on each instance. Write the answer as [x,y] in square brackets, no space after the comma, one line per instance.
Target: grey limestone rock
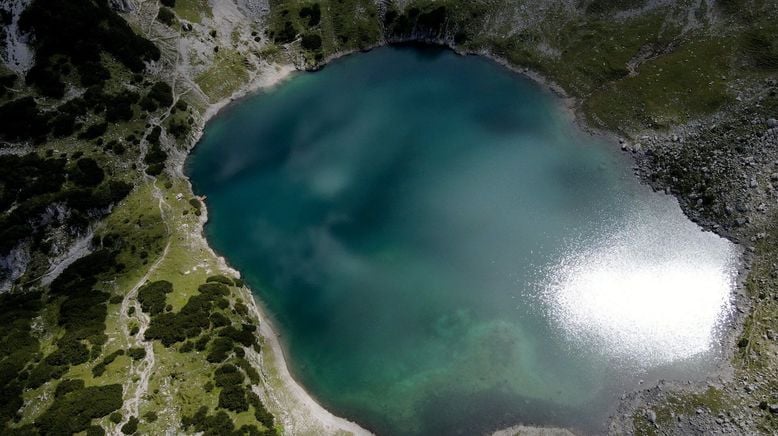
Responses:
[122,5]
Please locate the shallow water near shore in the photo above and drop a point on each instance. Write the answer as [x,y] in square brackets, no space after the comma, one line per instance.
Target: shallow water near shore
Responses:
[444,252]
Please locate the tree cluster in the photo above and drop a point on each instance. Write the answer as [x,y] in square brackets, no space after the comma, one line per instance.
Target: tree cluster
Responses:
[99,369]
[220,424]
[155,156]
[18,347]
[312,13]
[76,407]
[428,23]
[73,34]
[22,119]
[160,95]
[152,296]
[170,328]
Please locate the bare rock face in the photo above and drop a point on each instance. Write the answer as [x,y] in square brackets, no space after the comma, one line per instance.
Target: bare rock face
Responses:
[13,265]
[122,5]
[254,9]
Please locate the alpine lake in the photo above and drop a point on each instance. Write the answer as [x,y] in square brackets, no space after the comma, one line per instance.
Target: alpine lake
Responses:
[443,251]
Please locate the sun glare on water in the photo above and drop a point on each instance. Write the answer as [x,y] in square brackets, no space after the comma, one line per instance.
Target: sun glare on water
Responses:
[649,293]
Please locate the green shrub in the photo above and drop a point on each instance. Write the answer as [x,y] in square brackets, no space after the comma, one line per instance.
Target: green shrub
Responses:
[312,13]
[44,372]
[18,348]
[245,336]
[170,328]
[311,41]
[74,411]
[100,368]
[220,349]
[202,343]
[284,35]
[136,353]
[250,371]
[178,128]
[22,120]
[227,375]
[119,107]
[217,424]
[261,413]
[214,289]
[155,156]
[233,398]
[219,320]
[166,16]
[67,386]
[46,77]
[761,46]
[86,172]
[80,31]
[7,82]
[92,73]
[82,273]
[63,125]
[68,352]
[161,93]
[95,430]
[219,278]
[131,426]
[241,309]
[27,176]
[191,320]
[152,296]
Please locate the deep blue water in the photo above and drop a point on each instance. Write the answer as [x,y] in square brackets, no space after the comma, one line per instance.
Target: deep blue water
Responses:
[417,224]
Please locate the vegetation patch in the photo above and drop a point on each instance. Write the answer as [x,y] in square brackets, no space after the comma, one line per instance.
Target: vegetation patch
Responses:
[670,89]
[226,74]
[192,10]
[152,296]
[191,320]
[18,348]
[74,32]
[74,411]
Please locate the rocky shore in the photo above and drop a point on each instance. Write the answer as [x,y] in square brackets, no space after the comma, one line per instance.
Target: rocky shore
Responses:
[724,172]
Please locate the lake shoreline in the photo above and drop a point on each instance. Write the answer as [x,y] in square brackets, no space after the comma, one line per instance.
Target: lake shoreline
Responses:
[318,418]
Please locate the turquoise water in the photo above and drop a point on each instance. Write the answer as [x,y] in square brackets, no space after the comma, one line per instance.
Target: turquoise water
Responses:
[444,253]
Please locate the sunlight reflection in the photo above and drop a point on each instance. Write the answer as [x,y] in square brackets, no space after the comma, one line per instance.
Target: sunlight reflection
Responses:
[648,293]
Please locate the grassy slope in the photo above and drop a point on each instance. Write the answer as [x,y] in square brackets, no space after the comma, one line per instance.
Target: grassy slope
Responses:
[176,385]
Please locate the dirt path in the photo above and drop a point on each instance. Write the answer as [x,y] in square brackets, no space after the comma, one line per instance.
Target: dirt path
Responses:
[142,371]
